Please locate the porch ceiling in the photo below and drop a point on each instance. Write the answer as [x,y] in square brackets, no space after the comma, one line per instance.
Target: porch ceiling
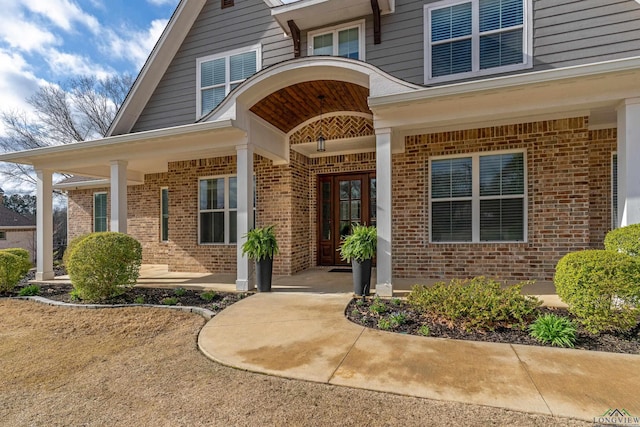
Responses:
[295,104]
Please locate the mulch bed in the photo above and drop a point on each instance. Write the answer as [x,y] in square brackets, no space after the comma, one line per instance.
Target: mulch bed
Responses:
[358,311]
[137,295]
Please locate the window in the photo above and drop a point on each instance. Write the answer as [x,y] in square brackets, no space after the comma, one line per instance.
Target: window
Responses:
[164,214]
[220,74]
[346,41]
[218,210]
[614,190]
[478,37]
[100,212]
[478,198]
[227,3]
[3,235]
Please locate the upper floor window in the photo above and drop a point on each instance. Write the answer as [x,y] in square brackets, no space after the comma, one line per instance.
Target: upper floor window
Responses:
[220,74]
[344,40]
[479,198]
[477,37]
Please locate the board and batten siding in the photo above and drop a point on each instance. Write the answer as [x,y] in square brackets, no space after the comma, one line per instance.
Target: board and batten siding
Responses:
[215,31]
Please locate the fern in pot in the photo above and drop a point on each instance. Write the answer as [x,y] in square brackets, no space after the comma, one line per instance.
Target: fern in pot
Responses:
[261,246]
[360,248]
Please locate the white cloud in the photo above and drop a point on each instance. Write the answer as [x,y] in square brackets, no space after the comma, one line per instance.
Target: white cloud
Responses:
[163,2]
[62,13]
[68,64]
[134,45]
[24,35]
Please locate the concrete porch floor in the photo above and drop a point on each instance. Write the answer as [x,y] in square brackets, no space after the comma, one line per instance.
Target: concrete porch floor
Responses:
[314,280]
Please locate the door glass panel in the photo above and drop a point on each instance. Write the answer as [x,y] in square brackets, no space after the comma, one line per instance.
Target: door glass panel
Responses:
[326,221]
[355,211]
[345,229]
[355,189]
[372,202]
[344,190]
[344,210]
[326,191]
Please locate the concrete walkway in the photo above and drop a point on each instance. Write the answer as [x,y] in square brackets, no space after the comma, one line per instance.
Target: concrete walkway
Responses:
[306,336]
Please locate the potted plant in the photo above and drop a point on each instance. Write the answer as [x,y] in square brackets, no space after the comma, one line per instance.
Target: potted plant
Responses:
[360,247]
[261,246]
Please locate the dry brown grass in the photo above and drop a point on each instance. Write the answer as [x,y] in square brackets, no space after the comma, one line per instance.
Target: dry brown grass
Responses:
[141,367]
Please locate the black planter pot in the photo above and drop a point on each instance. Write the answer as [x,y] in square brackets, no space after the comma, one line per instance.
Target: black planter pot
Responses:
[264,269]
[361,277]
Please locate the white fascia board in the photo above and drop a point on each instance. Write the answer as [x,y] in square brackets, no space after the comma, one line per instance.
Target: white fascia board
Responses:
[156,65]
[537,77]
[17,227]
[30,156]
[95,183]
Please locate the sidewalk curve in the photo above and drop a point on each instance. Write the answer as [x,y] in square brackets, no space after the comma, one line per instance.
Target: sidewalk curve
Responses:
[306,336]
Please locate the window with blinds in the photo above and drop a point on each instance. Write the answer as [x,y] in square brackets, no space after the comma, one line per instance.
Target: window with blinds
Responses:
[614,191]
[218,75]
[476,37]
[478,198]
[100,212]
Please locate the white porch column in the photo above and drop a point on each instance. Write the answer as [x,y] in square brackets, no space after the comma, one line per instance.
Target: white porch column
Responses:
[119,196]
[628,162]
[245,279]
[384,270]
[44,224]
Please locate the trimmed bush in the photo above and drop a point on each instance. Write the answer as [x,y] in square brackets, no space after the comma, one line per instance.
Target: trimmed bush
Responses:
[601,288]
[476,304]
[103,265]
[23,254]
[72,244]
[12,269]
[624,239]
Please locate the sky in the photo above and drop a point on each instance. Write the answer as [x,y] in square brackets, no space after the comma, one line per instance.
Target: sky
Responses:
[53,40]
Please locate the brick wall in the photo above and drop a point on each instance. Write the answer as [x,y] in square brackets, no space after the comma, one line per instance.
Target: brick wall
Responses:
[563,157]
[569,173]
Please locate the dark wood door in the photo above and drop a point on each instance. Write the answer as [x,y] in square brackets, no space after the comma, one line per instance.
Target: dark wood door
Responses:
[343,200]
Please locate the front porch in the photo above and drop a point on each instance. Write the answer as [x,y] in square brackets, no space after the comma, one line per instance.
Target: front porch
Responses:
[318,280]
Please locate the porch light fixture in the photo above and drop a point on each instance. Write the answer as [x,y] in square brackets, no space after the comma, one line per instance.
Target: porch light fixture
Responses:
[321,139]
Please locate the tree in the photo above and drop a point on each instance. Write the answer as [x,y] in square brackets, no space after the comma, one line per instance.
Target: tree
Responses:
[24,204]
[80,109]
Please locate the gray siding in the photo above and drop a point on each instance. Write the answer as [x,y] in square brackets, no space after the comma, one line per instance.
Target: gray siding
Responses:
[566,32]
[572,32]
[215,31]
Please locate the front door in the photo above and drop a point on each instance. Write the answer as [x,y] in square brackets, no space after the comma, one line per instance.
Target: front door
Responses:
[343,200]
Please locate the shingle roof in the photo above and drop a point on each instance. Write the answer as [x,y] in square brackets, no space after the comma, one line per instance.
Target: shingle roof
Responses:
[9,218]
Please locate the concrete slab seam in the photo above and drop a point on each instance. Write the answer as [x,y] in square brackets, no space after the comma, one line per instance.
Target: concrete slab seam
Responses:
[345,355]
[524,366]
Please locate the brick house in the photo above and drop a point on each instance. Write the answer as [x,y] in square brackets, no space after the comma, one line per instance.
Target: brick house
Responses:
[17,231]
[480,136]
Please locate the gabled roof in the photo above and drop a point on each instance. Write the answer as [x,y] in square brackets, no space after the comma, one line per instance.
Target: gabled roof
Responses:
[9,218]
[159,60]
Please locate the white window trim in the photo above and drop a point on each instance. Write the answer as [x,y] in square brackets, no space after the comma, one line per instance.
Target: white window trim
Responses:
[527,43]
[475,198]
[257,48]
[162,213]
[226,210]
[614,178]
[94,210]
[334,30]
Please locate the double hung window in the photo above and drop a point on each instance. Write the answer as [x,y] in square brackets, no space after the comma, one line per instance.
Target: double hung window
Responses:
[220,74]
[478,198]
[346,41]
[478,37]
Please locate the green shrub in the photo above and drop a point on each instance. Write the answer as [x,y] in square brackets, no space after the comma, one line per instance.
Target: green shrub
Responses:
[104,265]
[554,329]
[601,288]
[360,244]
[378,306]
[71,246]
[384,324]
[23,254]
[624,239]
[29,291]
[476,304]
[169,301]
[12,269]
[139,300]
[179,292]
[397,319]
[208,295]
[424,330]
